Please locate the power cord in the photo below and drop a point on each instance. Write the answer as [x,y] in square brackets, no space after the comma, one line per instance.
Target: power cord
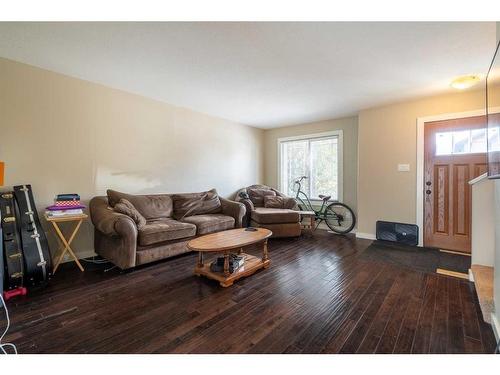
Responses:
[95,261]
[7,344]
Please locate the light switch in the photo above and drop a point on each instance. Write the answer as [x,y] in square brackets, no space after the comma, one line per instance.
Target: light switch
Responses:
[403,167]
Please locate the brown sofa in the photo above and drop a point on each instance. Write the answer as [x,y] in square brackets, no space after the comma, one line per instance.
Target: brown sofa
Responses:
[268,208]
[169,224]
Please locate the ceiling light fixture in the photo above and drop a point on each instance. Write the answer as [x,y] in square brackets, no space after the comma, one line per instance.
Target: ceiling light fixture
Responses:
[464,82]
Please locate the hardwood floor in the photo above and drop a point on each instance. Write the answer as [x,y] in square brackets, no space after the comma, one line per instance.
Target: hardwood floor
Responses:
[318,296]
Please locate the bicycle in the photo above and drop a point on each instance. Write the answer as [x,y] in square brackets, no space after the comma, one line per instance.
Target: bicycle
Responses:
[338,216]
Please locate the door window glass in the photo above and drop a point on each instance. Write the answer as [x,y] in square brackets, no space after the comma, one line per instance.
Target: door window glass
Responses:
[463,142]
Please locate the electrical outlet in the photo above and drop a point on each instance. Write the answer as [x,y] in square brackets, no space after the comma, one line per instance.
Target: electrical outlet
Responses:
[403,167]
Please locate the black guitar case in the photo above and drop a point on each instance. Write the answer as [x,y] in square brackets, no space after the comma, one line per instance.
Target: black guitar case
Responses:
[37,258]
[13,255]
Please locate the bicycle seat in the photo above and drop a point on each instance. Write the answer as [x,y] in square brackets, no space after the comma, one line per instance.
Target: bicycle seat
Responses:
[326,198]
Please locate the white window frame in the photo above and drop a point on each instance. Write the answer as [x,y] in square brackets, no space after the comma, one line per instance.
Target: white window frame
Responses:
[340,157]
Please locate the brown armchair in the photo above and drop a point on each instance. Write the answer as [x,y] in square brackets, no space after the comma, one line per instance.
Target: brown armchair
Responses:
[268,208]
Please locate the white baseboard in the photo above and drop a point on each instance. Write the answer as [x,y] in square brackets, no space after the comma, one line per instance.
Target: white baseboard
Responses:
[323,226]
[471,276]
[495,325]
[366,236]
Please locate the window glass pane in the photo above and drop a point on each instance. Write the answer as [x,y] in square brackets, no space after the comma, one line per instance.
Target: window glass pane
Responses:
[443,143]
[478,140]
[294,163]
[494,139]
[461,142]
[316,158]
[324,167]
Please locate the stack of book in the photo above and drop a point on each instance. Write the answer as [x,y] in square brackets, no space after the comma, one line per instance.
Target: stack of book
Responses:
[66,205]
[235,263]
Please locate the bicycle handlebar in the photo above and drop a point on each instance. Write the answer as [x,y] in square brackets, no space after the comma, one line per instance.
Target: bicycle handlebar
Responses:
[300,179]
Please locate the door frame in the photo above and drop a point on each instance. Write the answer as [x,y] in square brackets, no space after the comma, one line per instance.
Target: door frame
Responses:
[421,121]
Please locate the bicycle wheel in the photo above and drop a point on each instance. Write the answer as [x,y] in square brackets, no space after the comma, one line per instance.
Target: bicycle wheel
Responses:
[339,218]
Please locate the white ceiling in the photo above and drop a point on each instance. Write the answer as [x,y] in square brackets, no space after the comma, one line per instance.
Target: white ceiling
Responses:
[260,74]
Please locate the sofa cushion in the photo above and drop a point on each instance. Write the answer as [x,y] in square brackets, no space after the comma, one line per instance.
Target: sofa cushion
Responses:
[265,215]
[160,230]
[147,254]
[257,195]
[274,201]
[127,208]
[210,223]
[189,204]
[152,206]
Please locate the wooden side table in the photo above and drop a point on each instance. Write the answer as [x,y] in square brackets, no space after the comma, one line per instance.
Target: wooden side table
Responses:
[66,242]
[307,220]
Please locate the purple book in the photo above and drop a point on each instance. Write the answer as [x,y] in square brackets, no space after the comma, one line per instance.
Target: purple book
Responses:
[62,208]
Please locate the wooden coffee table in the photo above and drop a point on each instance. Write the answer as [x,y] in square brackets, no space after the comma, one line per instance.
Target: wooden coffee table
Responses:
[227,242]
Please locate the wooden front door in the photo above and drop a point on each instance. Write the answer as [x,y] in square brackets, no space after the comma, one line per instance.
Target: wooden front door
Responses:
[455,153]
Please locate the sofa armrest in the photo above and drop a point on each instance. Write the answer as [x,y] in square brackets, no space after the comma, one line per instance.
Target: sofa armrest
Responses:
[234,209]
[109,222]
[117,239]
[248,205]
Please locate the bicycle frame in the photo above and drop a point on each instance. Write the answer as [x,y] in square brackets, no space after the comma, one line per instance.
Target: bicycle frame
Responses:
[319,215]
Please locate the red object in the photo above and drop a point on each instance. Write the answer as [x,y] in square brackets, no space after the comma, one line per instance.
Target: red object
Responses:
[8,294]
[2,171]
[75,203]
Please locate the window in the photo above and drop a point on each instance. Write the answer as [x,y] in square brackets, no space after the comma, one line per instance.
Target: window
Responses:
[317,156]
[494,138]
[461,142]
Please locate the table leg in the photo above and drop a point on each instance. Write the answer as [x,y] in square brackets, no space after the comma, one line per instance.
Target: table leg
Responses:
[311,224]
[63,249]
[226,264]
[265,255]
[67,246]
[200,259]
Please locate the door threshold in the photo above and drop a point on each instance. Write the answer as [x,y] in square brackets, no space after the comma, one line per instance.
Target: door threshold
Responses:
[460,275]
[454,252]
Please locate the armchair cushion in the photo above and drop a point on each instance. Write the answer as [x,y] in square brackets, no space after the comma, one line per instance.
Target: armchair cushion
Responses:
[271,201]
[160,230]
[290,203]
[210,223]
[190,204]
[127,208]
[257,195]
[265,215]
[152,206]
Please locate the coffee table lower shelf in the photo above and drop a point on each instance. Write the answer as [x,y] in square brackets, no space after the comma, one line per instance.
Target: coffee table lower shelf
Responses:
[252,264]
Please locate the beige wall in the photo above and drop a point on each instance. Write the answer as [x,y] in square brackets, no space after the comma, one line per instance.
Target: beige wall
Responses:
[349,127]
[388,137]
[62,134]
